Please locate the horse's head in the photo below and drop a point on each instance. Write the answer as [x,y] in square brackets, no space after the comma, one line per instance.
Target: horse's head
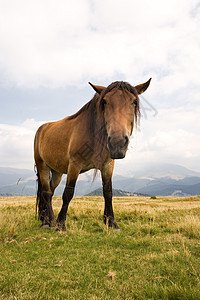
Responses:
[120,105]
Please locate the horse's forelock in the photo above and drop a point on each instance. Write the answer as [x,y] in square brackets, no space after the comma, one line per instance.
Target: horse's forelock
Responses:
[121,85]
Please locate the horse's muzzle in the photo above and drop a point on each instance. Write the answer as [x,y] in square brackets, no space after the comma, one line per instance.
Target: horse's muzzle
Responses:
[117,147]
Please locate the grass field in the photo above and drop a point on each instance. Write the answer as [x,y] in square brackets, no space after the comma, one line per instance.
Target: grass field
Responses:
[155,256]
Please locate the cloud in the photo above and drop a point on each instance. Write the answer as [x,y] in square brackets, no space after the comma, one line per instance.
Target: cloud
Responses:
[170,137]
[16,147]
[57,44]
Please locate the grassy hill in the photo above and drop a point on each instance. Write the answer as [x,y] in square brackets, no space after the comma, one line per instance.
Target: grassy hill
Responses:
[116,192]
[155,256]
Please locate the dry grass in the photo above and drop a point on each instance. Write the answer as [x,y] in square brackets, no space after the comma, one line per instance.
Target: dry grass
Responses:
[155,256]
[190,226]
[84,207]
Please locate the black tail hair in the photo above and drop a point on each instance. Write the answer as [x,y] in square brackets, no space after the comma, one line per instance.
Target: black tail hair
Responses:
[39,200]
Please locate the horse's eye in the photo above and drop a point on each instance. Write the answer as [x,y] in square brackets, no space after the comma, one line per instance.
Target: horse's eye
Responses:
[135,102]
[103,102]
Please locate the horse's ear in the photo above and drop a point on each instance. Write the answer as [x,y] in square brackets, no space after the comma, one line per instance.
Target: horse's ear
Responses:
[97,88]
[142,87]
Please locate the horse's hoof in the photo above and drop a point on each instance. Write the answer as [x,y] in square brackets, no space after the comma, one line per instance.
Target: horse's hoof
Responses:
[45,226]
[61,228]
[110,223]
[115,227]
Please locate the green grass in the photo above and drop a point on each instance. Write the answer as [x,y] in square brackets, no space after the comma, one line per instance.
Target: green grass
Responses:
[155,256]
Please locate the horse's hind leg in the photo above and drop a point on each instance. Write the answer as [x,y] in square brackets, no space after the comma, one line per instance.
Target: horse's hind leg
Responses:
[55,180]
[44,196]
[72,175]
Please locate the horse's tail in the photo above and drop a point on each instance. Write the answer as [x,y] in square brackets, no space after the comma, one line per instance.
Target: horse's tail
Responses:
[39,199]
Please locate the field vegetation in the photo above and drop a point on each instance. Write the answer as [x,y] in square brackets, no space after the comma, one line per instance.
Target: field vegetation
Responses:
[156,255]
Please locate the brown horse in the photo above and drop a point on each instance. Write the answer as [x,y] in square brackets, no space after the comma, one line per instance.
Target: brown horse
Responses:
[90,139]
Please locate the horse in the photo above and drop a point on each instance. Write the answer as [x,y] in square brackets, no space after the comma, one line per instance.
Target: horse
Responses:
[92,138]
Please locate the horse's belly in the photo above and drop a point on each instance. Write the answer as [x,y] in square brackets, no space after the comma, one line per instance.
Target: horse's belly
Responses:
[56,161]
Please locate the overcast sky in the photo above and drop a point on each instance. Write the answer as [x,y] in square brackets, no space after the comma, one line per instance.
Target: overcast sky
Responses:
[49,50]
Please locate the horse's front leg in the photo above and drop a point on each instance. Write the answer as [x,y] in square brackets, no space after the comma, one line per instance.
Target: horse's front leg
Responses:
[72,175]
[106,174]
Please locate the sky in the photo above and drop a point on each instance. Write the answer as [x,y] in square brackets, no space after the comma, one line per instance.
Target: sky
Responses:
[50,50]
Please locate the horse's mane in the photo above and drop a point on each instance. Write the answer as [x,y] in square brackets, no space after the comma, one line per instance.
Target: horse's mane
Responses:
[88,106]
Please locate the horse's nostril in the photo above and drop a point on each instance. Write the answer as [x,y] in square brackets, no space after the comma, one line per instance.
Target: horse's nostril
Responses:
[109,139]
[126,139]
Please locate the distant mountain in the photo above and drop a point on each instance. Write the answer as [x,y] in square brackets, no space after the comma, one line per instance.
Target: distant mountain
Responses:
[175,188]
[17,182]
[172,171]
[116,193]
[163,180]
[10,175]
